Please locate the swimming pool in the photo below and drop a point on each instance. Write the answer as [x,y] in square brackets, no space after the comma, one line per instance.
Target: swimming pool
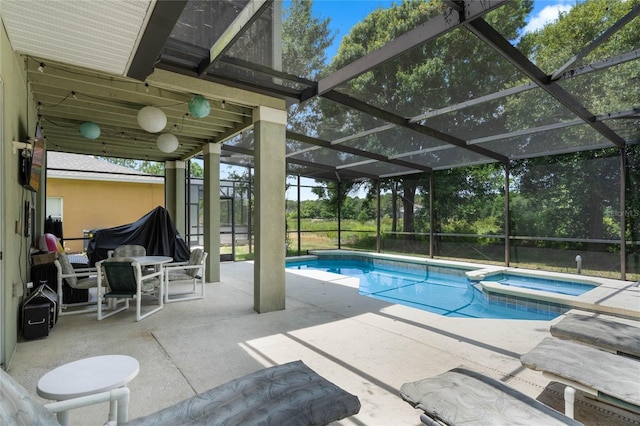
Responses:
[541,284]
[445,290]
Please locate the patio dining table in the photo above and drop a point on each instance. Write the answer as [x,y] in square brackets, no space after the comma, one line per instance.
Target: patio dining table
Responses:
[155,261]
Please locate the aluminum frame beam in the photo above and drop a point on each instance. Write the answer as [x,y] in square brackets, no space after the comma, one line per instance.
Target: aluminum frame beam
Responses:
[238,27]
[163,19]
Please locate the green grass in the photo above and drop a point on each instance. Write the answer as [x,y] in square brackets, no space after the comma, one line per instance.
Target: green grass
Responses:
[319,234]
[332,225]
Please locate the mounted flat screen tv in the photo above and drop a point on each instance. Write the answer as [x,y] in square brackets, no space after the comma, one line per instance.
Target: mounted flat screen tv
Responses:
[31,163]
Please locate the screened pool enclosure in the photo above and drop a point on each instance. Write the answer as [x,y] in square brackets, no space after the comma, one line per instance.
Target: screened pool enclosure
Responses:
[492,147]
[551,219]
[473,135]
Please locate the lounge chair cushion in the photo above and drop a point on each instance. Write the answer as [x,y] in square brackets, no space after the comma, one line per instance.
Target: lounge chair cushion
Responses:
[613,375]
[67,269]
[603,333]
[288,394]
[71,276]
[180,276]
[466,397]
[194,259]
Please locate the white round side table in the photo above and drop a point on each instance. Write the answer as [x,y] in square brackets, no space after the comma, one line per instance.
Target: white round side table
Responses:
[86,377]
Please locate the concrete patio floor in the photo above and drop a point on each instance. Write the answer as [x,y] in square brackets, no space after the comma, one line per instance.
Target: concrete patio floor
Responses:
[366,346]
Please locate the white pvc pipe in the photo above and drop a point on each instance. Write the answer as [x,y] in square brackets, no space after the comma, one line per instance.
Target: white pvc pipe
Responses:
[569,399]
[121,395]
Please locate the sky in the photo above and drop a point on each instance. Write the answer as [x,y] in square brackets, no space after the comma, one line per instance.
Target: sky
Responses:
[547,11]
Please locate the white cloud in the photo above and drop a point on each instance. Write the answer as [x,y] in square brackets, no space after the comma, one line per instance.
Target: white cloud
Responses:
[546,15]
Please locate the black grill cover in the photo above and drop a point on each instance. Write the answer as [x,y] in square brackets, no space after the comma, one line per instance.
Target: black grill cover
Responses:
[155,231]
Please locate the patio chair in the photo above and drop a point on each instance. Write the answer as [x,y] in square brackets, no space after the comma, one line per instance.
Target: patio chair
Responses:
[79,279]
[463,396]
[129,250]
[287,394]
[192,271]
[125,281]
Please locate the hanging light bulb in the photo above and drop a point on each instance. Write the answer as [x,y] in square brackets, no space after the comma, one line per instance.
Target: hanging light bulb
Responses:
[152,119]
[199,107]
[167,142]
[90,130]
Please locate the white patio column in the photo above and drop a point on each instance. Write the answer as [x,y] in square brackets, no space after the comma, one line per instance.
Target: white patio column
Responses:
[269,155]
[211,154]
[174,193]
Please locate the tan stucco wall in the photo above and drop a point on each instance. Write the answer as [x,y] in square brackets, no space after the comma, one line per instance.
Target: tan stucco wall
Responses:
[90,204]
[16,126]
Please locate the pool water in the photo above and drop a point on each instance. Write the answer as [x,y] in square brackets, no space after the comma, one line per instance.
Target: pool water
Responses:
[543,284]
[448,294]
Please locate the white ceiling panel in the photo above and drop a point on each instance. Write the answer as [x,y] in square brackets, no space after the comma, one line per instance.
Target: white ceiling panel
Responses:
[94,34]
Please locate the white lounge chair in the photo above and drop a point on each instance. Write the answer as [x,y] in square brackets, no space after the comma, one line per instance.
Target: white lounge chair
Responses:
[603,333]
[287,394]
[463,396]
[611,378]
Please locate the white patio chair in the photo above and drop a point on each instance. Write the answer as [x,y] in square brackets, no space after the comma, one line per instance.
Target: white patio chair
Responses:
[126,281]
[80,279]
[128,250]
[192,271]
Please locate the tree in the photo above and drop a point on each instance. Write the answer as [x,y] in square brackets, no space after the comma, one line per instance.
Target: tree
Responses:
[152,168]
[310,209]
[149,167]
[304,41]
[467,200]
[570,194]
[333,194]
[573,196]
[428,77]
[124,162]
[195,169]
[245,182]
[632,211]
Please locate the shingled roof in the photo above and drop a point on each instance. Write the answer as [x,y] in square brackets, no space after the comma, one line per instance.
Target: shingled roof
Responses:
[62,165]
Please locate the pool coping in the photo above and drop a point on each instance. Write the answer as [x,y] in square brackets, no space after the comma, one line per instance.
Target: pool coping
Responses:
[592,300]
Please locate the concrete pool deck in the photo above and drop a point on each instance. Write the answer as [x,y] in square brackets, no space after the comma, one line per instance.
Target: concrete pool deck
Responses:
[366,346]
